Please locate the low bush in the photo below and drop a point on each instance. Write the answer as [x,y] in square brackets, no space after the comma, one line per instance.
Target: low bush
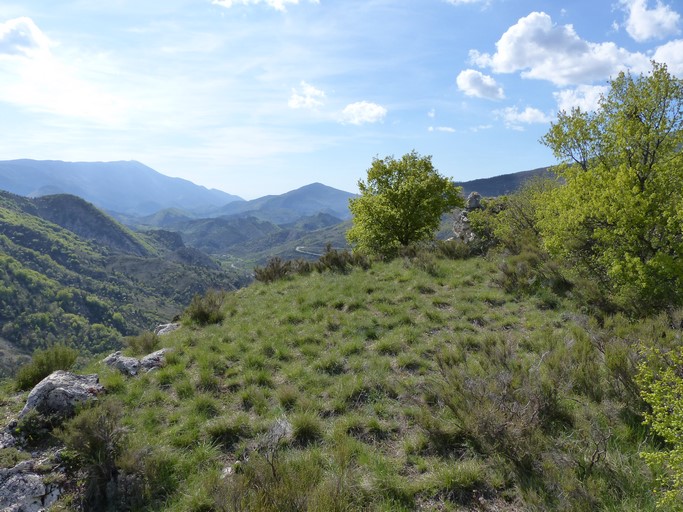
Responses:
[43,363]
[142,344]
[275,269]
[96,435]
[206,309]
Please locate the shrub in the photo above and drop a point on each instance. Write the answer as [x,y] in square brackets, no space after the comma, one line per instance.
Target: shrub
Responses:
[96,436]
[142,344]
[274,270]
[341,261]
[43,363]
[207,309]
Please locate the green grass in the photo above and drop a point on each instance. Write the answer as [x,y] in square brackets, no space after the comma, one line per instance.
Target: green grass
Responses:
[416,384]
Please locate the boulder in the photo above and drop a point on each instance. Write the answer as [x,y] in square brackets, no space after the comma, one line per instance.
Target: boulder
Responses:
[154,360]
[473,201]
[166,328]
[60,392]
[127,365]
[24,490]
[131,366]
[7,440]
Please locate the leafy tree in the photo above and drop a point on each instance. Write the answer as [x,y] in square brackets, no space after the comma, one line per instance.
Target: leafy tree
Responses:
[400,204]
[660,378]
[619,216]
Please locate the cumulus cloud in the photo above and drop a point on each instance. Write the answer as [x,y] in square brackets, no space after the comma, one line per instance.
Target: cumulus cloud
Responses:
[308,97]
[671,53]
[460,2]
[514,118]
[363,112]
[280,5]
[543,50]
[475,83]
[643,23]
[445,129]
[586,97]
[21,37]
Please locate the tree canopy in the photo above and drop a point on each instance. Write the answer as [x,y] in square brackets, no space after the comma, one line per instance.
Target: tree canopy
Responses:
[619,216]
[401,203]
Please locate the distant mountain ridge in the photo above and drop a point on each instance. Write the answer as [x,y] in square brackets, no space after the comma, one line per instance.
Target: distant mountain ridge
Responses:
[125,187]
[503,184]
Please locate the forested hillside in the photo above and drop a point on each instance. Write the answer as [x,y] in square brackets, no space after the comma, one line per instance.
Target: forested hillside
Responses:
[71,274]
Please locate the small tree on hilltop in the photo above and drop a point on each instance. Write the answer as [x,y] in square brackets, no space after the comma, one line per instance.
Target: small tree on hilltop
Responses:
[400,204]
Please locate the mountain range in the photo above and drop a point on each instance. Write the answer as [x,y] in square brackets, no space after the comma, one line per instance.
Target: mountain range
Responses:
[124,187]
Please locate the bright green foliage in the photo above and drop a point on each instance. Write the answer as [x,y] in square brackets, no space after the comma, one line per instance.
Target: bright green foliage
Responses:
[619,215]
[400,204]
[43,363]
[662,388]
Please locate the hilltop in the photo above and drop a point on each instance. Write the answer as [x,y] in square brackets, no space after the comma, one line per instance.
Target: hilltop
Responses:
[416,384]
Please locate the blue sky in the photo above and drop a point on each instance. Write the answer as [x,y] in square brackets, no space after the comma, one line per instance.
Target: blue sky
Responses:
[259,97]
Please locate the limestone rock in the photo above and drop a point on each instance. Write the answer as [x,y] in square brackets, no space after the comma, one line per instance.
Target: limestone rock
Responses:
[166,328]
[473,201]
[124,364]
[131,365]
[154,360]
[23,490]
[60,392]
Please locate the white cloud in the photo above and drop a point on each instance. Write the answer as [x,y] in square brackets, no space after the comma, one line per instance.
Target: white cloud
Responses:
[643,23]
[33,78]
[309,97]
[445,129]
[586,97]
[475,83]
[431,114]
[460,2]
[280,5]
[363,112]
[672,54]
[543,50]
[515,119]
[21,37]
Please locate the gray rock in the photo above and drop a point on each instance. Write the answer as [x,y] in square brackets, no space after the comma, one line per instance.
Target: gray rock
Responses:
[60,392]
[166,328]
[23,490]
[131,366]
[473,201]
[127,365]
[7,440]
[154,360]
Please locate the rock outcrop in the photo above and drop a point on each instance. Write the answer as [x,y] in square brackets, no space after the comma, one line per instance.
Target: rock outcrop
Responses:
[23,489]
[461,223]
[59,393]
[166,328]
[132,366]
[124,364]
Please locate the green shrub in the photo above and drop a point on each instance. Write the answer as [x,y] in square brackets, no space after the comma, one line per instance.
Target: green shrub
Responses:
[96,435]
[274,270]
[43,363]
[341,261]
[207,309]
[142,344]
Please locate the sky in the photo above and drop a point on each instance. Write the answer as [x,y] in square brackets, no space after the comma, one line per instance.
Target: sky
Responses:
[257,97]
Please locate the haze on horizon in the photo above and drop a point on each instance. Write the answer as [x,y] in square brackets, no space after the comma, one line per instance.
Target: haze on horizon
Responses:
[259,97]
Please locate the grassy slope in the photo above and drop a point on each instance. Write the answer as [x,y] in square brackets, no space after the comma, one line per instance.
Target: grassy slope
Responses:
[414,385]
